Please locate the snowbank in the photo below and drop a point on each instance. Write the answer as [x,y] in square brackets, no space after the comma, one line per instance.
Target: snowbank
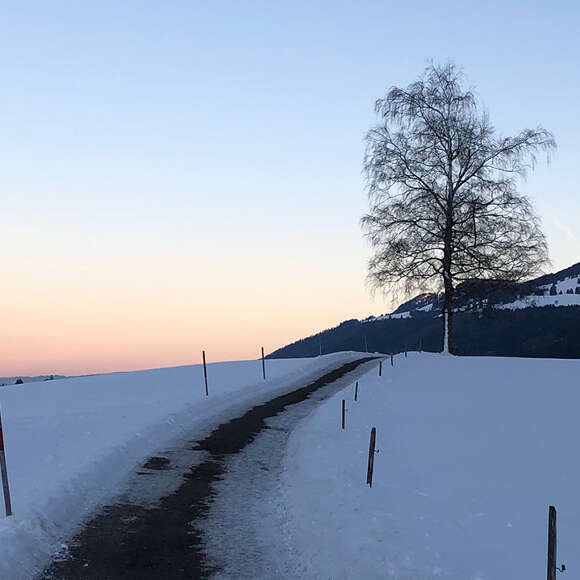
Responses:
[471,453]
[71,443]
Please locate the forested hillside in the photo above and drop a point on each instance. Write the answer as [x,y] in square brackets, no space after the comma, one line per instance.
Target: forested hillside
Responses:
[539,318]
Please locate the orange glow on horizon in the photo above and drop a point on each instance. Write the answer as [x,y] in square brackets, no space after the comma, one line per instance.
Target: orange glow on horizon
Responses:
[114,316]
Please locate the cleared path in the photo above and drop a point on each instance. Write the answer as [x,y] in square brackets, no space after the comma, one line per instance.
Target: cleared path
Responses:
[156,529]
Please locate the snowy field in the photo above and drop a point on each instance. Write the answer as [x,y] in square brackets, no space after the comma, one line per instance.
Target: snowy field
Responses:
[71,443]
[471,453]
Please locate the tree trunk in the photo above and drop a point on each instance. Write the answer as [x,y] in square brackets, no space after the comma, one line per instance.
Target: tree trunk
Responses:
[447,320]
[448,286]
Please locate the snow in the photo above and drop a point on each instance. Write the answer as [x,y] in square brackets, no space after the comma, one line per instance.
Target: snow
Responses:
[568,283]
[540,301]
[400,315]
[6,381]
[472,450]
[71,443]
[531,301]
[564,299]
[405,314]
[523,302]
[245,534]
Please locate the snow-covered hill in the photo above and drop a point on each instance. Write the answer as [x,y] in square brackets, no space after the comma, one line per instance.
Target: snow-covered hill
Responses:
[6,381]
[493,318]
[70,443]
[536,301]
[472,451]
[559,289]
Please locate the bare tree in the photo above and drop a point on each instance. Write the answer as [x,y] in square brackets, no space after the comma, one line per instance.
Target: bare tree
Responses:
[444,204]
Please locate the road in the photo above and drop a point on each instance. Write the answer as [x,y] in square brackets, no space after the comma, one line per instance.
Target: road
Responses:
[155,530]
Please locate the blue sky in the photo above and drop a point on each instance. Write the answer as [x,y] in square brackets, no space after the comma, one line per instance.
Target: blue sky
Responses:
[209,154]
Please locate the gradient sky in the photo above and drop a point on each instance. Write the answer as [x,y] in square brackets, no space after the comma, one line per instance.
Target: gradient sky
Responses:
[179,175]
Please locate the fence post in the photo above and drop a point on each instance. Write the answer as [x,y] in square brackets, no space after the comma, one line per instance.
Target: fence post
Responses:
[6,488]
[205,373]
[371,457]
[263,364]
[392,363]
[356,391]
[552,543]
[343,412]
[405,354]
[380,368]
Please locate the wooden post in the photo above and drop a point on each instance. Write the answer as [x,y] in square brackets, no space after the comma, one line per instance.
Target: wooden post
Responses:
[5,487]
[371,457]
[205,373]
[380,368]
[552,543]
[356,391]
[405,354]
[343,412]
[263,364]
[392,360]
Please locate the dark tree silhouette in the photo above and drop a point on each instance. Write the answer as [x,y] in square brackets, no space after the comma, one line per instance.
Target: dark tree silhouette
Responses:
[444,205]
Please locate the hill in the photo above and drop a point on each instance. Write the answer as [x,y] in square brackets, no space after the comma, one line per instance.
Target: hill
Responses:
[537,318]
[7,381]
[70,444]
[467,467]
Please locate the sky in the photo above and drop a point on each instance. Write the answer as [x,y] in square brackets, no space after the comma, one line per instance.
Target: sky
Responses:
[183,175]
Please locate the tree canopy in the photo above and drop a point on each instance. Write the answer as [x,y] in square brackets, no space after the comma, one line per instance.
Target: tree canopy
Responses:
[443,191]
